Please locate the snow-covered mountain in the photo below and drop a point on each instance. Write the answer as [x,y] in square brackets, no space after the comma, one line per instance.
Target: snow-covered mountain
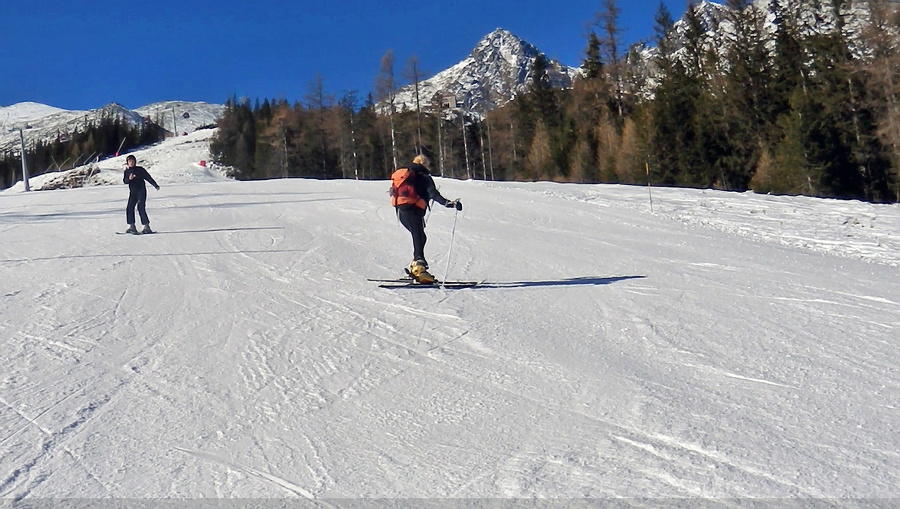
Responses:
[24,112]
[47,123]
[182,116]
[494,72]
[57,124]
[715,20]
[718,31]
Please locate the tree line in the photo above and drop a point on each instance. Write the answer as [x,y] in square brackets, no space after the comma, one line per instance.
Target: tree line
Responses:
[98,139]
[800,113]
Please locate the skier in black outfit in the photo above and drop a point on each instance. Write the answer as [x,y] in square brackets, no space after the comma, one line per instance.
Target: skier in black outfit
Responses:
[135,176]
[412,216]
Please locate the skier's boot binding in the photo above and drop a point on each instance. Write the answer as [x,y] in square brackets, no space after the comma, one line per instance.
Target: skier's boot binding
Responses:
[131,229]
[147,229]
[418,269]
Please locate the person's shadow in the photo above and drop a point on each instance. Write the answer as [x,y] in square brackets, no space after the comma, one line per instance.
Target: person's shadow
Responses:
[574,281]
[213,230]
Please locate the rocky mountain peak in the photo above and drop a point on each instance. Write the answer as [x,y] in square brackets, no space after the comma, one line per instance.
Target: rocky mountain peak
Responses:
[497,69]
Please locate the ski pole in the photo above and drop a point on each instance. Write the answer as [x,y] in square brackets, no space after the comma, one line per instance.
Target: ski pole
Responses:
[449,251]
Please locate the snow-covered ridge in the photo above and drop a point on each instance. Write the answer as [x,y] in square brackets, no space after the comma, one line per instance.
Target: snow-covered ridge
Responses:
[497,69]
[182,117]
[22,113]
[47,124]
[719,29]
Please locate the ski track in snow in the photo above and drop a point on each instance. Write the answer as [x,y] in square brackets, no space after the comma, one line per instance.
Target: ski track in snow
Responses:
[287,485]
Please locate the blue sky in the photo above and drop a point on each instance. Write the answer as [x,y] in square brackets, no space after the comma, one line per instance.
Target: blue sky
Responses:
[82,55]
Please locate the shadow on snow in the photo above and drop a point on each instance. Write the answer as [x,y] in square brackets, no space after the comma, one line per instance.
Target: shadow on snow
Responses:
[575,281]
[213,230]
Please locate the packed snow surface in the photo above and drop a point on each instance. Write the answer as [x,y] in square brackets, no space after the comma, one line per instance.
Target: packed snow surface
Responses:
[718,346]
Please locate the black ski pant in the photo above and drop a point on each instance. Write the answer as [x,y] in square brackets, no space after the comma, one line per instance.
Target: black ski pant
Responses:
[137,197]
[413,219]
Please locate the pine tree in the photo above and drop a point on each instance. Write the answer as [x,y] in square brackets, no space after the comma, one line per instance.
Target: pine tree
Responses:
[348,136]
[582,162]
[414,75]
[505,155]
[882,71]
[538,164]
[542,93]
[386,88]
[744,96]
[592,63]
[319,104]
[235,143]
[222,143]
[610,45]
[631,160]
[485,126]
[674,107]
[245,150]
[608,140]
[586,109]
[8,167]
[370,147]
[792,171]
[788,63]
[840,128]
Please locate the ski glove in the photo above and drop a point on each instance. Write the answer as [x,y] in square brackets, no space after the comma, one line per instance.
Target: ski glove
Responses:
[454,204]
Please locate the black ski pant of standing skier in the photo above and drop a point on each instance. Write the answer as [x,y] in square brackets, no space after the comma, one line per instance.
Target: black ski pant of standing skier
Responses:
[137,197]
[413,219]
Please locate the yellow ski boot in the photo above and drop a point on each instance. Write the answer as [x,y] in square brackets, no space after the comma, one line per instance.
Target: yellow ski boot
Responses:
[418,269]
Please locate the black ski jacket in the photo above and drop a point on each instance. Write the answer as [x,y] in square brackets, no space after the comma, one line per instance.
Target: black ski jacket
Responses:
[140,175]
[424,185]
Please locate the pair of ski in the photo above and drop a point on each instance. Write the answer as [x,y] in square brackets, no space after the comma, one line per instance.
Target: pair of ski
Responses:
[408,282]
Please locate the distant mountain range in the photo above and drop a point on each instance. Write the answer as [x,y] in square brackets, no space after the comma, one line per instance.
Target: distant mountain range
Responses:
[45,123]
[718,28]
